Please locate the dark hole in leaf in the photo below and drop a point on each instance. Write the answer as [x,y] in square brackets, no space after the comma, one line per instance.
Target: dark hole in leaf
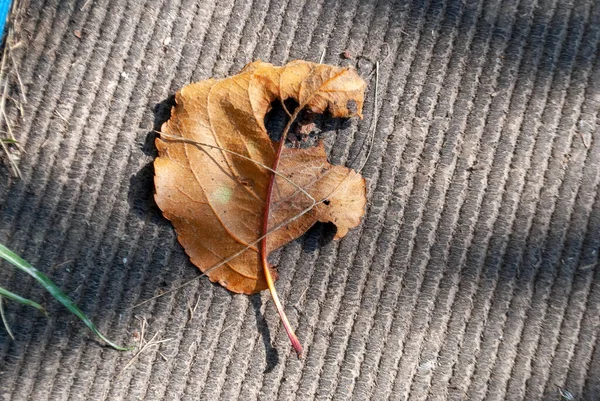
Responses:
[308,129]
[351,106]
[276,119]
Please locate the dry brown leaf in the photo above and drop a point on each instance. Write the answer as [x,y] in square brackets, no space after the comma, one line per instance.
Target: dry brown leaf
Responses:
[216,165]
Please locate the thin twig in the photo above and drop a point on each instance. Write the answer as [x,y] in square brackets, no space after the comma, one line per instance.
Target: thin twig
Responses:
[143,344]
[144,324]
[322,56]
[17,74]
[371,134]
[138,353]
[85,5]
[387,56]
[230,258]
[2,77]
[11,134]
[587,267]
[62,117]
[300,298]
[193,310]
[250,245]
[4,81]
[54,267]
[200,144]
[235,255]
[10,47]
[13,164]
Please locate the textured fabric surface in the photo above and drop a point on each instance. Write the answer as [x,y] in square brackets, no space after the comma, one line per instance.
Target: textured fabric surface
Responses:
[474,275]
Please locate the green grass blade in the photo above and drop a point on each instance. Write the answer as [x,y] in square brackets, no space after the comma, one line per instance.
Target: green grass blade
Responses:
[4,320]
[60,296]
[17,298]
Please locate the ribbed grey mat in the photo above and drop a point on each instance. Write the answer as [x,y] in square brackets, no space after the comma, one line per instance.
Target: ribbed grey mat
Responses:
[473,276]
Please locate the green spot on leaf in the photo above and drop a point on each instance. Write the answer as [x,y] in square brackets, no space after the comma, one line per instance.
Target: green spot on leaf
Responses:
[222,194]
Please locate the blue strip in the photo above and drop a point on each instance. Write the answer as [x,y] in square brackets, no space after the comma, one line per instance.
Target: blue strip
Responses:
[4,9]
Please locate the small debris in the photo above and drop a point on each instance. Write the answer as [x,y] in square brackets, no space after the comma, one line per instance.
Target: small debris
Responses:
[306,124]
[585,132]
[87,3]
[77,33]
[193,310]
[476,167]
[587,267]
[144,344]
[166,41]
[426,367]
[566,394]
[63,118]
[586,140]
[306,129]
[347,55]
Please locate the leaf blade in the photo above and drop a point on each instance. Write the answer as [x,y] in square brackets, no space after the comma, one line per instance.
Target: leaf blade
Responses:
[17,298]
[56,292]
[229,192]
